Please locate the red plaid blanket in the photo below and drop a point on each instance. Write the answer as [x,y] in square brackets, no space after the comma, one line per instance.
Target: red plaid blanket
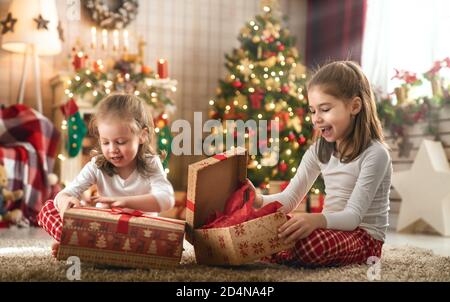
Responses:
[28,142]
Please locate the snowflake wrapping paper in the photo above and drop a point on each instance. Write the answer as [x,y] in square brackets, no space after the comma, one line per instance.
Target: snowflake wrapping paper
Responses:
[122,238]
[210,183]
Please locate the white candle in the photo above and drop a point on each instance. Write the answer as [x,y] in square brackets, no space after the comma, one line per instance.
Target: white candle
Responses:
[93,37]
[115,40]
[104,39]
[126,44]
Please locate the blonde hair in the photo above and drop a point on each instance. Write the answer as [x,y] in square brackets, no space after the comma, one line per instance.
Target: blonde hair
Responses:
[345,80]
[128,108]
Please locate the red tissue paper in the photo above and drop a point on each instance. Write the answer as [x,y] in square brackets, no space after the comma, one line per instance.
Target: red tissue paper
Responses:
[237,210]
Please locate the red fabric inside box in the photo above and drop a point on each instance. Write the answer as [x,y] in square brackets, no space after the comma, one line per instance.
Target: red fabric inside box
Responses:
[238,210]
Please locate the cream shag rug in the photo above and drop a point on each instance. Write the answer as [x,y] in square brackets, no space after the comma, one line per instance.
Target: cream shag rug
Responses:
[29,259]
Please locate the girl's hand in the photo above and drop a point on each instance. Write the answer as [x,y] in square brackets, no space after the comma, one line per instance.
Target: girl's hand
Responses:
[258,197]
[66,202]
[300,226]
[110,201]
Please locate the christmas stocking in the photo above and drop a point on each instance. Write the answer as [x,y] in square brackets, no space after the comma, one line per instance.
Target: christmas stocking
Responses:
[76,129]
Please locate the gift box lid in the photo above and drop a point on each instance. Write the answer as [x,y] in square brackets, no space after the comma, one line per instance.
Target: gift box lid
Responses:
[210,183]
[107,215]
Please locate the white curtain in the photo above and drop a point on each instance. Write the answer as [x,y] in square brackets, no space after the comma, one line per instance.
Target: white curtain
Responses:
[406,35]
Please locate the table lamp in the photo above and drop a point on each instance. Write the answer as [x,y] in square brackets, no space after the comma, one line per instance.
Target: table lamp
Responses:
[31,27]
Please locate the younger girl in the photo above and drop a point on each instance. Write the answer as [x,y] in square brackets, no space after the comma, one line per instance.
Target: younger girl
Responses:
[356,168]
[127,172]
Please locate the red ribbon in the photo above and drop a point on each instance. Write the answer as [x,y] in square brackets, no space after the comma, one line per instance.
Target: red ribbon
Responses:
[127,214]
[124,219]
[190,205]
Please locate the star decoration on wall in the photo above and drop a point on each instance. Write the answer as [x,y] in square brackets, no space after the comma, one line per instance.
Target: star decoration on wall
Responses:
[60,31]
[425,190]
[41,22]
[8,24]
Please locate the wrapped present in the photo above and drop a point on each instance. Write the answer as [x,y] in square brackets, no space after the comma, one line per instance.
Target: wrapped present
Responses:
[210,183]
[121,237]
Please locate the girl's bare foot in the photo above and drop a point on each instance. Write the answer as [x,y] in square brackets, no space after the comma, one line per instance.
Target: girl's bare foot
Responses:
[55,248]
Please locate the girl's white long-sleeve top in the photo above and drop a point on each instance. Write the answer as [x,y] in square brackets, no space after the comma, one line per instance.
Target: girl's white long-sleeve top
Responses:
[112,186]
[357,193]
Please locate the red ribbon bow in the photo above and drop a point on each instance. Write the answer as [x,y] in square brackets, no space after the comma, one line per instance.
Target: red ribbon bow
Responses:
[124,219]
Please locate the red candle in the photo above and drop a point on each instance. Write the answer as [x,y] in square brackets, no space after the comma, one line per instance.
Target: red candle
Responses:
[78,61]
[163,69]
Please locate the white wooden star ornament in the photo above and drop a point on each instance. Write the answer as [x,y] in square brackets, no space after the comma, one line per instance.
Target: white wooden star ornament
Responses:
[425,190]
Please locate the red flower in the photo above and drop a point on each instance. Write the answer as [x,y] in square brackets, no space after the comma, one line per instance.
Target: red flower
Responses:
[408,77]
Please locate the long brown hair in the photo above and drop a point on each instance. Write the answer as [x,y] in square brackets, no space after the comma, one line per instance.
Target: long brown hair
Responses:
[128,108]
[345,80]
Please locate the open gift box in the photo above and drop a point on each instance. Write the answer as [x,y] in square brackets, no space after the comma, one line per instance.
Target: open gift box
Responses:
[121,237]
[210,183]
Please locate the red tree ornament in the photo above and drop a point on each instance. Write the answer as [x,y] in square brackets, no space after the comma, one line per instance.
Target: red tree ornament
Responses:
[283,167]
[237,84]
[301,140]
[291,136]
[285,88]
[300,112]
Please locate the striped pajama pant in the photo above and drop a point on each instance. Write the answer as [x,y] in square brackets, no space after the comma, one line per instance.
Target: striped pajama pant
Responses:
[326,247]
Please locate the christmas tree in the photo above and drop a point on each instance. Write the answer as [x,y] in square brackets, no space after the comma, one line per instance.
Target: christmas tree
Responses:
[266,81]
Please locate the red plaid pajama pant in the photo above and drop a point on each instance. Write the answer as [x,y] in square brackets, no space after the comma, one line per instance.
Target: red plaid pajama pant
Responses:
[50,220]
[326,247]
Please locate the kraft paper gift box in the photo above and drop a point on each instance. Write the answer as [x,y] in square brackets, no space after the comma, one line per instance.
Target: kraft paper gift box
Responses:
[121,237]
[210,183]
